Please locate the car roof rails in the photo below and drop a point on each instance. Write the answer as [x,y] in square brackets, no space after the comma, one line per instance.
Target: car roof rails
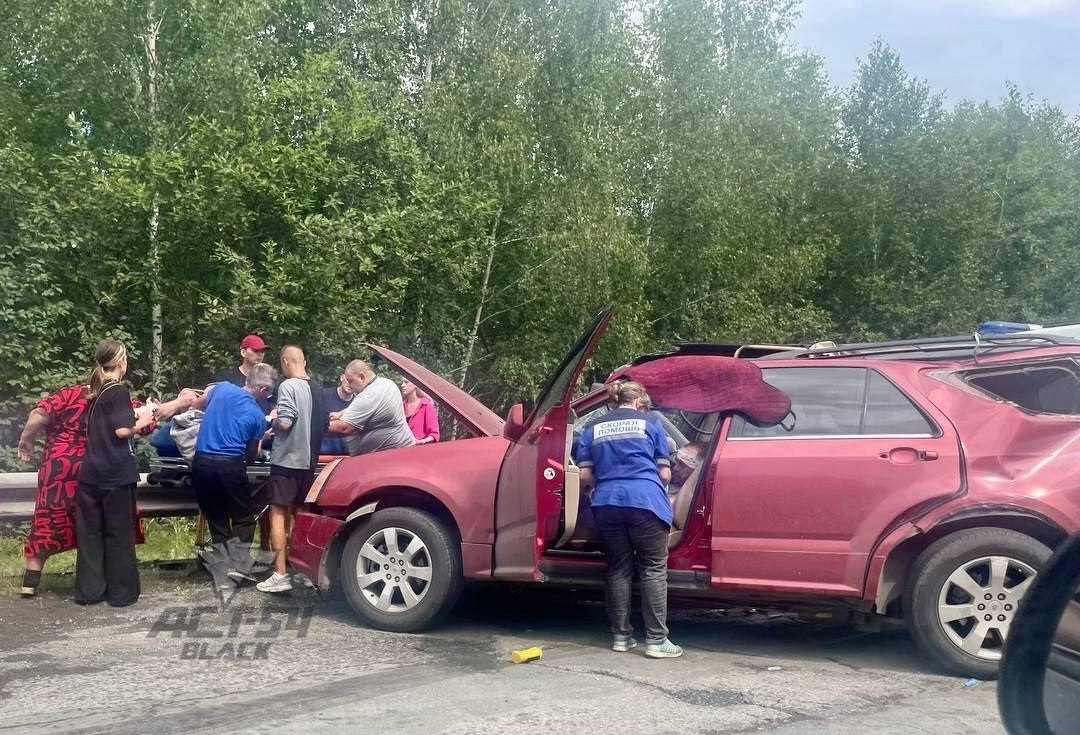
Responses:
[733,349]
[723,349]
[751,351]
[938,347]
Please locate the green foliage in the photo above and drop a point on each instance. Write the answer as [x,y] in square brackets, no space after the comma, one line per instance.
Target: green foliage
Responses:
[466,181]
[165,539]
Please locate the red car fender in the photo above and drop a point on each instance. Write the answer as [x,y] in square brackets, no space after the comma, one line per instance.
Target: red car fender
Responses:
[882,588]
[888,565]
[460,475]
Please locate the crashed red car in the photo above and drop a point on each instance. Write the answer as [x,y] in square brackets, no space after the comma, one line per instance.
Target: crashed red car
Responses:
[923,482]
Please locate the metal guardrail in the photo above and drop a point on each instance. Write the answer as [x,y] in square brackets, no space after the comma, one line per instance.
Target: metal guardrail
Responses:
[163,492]
[18,492]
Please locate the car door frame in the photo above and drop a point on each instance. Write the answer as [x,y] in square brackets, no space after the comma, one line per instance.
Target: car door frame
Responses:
[529,495]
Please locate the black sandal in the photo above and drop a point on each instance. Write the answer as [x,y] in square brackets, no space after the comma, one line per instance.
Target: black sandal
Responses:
[31,581]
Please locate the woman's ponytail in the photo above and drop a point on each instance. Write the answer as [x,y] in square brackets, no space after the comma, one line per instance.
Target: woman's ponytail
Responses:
[97,379]
[622,392]
[109,355]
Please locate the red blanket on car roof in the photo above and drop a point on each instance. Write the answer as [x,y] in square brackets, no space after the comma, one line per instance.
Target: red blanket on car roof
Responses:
[708,383]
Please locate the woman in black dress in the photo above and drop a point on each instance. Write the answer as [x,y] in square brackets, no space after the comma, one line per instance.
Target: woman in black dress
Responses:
[105,568]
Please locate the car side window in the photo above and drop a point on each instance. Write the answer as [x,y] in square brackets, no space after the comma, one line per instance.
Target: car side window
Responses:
[890,412]
[1052,387]
[839,401]
[824,401]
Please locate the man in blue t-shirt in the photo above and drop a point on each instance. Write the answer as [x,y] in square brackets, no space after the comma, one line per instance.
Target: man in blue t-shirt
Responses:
[336,399]
[625,455]
[229,436]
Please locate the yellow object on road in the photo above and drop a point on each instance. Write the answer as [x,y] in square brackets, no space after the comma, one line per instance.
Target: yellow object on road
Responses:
[526,654]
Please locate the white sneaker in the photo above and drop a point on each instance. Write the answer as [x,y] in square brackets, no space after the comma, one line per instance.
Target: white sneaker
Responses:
[664,649]
[275,583]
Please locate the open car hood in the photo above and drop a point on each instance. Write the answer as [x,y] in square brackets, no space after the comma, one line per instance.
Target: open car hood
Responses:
[474,414]
[709,383]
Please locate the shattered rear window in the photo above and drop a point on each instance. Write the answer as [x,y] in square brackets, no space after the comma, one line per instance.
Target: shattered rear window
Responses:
[1049,387]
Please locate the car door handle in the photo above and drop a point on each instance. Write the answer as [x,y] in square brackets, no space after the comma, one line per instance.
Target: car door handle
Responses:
[907,455]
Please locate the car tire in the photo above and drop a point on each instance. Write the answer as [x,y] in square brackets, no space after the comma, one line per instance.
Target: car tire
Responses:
[951,578]
[375,570]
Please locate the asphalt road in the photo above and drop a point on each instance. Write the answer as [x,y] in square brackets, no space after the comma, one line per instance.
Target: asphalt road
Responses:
[178,663]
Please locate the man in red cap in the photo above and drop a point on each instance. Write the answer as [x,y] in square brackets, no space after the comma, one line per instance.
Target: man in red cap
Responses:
[252,352]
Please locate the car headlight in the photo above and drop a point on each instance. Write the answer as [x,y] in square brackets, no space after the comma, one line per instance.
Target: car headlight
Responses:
[320,481]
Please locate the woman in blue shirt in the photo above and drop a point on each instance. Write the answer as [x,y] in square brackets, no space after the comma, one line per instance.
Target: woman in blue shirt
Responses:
[625,455]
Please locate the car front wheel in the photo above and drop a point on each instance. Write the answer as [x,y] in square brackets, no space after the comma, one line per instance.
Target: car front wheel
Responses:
[964,592]
[401,570]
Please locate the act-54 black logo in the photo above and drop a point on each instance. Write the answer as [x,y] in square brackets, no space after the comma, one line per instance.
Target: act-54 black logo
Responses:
[211,634]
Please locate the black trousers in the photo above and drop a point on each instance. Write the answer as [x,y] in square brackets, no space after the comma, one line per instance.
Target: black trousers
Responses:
[105,567]
[634,538]
[224,496]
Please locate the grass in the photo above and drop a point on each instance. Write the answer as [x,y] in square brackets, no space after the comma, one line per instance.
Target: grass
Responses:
[166,538]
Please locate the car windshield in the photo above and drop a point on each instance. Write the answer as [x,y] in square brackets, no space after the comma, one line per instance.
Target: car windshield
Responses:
[680,426]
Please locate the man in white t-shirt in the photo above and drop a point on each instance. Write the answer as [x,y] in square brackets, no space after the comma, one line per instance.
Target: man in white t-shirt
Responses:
[375,420]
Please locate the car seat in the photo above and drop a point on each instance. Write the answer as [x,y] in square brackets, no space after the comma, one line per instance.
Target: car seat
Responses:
[684,503]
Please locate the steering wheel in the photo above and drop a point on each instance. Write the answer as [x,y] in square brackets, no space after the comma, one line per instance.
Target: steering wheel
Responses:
[788,427]
[694,426]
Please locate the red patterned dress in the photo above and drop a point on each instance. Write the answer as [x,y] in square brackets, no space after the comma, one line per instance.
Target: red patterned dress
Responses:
[53,527]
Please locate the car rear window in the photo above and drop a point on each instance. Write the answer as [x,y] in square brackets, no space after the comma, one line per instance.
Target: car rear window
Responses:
[839,401]
[1050,387]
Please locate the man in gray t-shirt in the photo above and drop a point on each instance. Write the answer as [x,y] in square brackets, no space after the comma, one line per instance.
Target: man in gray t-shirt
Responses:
[375,420]
[298,429]
[292,448]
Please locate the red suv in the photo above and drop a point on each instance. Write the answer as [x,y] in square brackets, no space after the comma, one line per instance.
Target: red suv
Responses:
[921,480]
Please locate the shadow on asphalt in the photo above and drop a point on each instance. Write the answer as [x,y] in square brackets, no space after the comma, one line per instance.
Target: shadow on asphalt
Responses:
[577,617]
[573,617]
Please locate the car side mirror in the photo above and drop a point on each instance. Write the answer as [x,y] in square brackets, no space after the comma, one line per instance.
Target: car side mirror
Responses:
[1039,691]
[515,423]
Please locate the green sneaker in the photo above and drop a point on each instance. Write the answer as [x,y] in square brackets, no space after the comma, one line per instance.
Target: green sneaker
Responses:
[623,643]
[667,649]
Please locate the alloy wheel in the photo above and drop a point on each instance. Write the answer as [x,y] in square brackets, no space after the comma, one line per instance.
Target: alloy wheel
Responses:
[394,573]
[979,600]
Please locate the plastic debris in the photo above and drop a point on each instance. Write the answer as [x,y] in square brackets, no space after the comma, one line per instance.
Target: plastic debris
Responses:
[776,668]
[526,654]
[970,683]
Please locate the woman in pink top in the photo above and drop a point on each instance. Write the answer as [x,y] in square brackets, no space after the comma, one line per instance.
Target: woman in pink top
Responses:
[420,413]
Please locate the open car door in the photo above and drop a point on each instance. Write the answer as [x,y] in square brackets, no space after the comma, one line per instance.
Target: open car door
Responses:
[537,469]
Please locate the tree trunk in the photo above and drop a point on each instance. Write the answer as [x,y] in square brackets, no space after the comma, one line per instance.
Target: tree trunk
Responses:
[153,77]
[483,298]
[156,326]
[429,60]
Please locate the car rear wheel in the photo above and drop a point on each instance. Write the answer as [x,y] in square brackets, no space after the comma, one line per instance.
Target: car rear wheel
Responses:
[964,592]
[401,570]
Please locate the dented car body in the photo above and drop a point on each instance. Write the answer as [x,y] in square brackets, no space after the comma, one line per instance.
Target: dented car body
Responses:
[922,482]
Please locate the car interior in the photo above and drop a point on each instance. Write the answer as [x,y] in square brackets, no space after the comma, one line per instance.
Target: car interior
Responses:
[682,427]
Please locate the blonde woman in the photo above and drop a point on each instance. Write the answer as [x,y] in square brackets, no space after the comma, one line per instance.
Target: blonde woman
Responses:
[625,456]
[105,568]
